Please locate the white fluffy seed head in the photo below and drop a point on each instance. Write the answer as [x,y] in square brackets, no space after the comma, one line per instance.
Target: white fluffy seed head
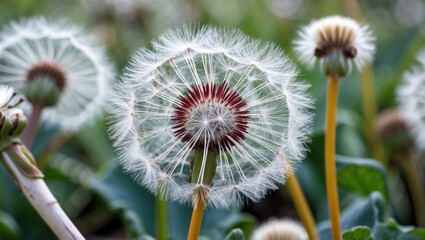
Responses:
[88,72]
[152,104]
[285,229]
[335,33]
[6,94]
[411,99]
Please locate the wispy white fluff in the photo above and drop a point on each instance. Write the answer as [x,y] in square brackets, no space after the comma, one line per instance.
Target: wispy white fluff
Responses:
[6,94]
[319,31]
[88,72]
[284,229]
[152,85]
[411,98]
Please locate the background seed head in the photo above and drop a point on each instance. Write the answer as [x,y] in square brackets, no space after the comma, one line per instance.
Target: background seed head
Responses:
[76,53]
[335,34]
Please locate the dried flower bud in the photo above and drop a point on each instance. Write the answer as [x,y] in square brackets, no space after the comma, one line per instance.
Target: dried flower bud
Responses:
[12,119]
[393,130]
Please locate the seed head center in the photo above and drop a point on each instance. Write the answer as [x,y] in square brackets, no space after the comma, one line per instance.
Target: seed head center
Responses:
[211,116]
[211,120]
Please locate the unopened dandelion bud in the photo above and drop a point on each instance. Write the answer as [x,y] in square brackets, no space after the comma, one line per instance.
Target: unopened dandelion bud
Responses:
[337,42]
[285,229]
[13,122]
[24,160]
[12,119]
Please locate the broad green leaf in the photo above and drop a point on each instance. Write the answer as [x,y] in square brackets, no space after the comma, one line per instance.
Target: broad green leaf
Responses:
[366,212]
[392,231]
[9,228]
[136,206]
[127,198]
[235,234]
[358,233]
[362,176]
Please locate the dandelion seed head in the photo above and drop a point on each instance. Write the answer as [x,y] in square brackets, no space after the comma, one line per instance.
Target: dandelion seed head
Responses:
[284,229]
[335,34]
[411,99]
[64,54]
[204,88]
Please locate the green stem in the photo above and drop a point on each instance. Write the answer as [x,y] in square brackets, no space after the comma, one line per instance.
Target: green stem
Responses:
[202,172]
[31,129]
[203,166]
[413,178]
[161,218]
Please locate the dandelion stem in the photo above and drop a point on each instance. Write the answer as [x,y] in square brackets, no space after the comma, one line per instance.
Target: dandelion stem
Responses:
[301,205]
[330,165]
[161,218]
[40,197]
[201,167]
[31,129]
[195,223]
[413,178]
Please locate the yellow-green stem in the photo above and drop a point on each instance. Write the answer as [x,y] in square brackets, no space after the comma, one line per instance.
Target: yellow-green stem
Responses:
[203,168]
[301,205]
[413,178]
[330,165]
[161,218]
[196,221]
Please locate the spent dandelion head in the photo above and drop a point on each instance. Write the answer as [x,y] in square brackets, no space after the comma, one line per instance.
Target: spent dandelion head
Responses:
[284,229]
[214,104]
[392,128]
[58,66]
[410,96]
[337,42]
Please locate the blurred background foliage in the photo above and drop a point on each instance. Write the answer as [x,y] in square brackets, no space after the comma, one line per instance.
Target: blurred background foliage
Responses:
[83,172]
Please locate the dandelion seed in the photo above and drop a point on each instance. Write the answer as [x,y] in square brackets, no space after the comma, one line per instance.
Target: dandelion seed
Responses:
[337,41]
[210,91]
[58,66]
[285,229]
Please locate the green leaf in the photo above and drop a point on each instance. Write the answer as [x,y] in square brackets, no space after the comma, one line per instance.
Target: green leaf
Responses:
[362,176]
[392,231]
[235,234]
[126,198]
[136,207]
[366,212]
[9,228]
[358,233]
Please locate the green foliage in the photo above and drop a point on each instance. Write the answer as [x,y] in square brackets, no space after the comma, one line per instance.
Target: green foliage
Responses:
[103,201]
[9,228]
[136,206]
[358,233]
[366,212]
[362,176]
[235,234]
